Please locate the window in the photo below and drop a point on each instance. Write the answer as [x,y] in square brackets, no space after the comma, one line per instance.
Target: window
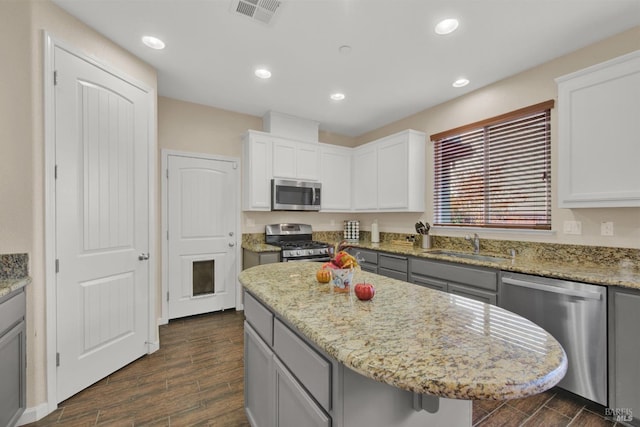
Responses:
[496,173]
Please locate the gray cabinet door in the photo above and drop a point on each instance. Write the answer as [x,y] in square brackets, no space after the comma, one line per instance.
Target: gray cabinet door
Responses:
[259,391]
[12,375]
[294,407]
[475,294]
[624,351]
[428,282]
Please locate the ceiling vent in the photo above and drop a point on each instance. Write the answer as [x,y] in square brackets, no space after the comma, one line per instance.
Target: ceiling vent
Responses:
[259,10]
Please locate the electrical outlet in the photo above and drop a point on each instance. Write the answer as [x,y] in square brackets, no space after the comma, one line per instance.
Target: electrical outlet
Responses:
[606,228]
[572,227]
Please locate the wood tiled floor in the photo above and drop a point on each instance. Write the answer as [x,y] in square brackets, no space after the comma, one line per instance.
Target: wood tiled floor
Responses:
[196,378]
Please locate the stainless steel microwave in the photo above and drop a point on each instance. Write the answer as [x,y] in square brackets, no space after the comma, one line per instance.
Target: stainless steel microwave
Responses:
[288,195]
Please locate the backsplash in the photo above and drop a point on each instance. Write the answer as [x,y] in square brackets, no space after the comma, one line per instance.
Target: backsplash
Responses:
[531,250]
[14,266]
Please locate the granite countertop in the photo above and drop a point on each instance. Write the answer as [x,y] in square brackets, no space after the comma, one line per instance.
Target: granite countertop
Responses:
[624,274]
[9,285]
[412,337]
[14,272]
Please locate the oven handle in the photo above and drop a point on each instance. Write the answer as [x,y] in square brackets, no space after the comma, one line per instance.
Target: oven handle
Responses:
[321,259]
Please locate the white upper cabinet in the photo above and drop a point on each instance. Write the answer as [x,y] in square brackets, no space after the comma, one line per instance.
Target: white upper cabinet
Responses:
[256,171]
[335,176]
[365,177]
[386,175]
[296,160]
[599,131]
[389,173]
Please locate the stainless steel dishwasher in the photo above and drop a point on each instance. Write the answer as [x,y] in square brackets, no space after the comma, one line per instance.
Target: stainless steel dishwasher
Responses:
[576,315]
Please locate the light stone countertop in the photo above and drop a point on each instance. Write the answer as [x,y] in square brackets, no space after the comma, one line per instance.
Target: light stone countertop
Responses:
[9,285]
[412,337]
[564,266]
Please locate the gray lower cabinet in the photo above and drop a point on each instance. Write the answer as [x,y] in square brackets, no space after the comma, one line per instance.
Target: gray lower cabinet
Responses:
[624,348]
[251,258]
[368,259]
[294,406]
[287,383]
[259,394]
[12,358]
[480,284]
[394,266]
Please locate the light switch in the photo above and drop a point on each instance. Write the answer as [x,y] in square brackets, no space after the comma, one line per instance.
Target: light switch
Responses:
[572,227]
[606,228]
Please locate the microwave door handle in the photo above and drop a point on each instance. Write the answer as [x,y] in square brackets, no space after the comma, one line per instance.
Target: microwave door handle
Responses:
[313,195]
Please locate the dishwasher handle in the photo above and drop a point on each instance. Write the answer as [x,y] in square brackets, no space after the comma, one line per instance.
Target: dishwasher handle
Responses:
[551,288]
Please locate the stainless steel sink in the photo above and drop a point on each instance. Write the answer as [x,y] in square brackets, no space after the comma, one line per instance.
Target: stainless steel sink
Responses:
[466,255]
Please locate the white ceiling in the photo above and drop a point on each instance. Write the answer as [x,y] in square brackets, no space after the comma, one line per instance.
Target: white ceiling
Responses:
[397,66]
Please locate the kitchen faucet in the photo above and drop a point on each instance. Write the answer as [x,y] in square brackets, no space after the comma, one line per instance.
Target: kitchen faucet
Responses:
[475,241]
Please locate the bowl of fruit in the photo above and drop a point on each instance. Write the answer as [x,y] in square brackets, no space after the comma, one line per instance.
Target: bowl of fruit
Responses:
[342,267]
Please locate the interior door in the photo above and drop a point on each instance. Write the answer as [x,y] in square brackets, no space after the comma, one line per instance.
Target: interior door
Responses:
[102,222]
[202,211]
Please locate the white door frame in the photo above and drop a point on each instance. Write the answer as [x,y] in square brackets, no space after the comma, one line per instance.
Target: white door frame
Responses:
[165,225]
[153,344]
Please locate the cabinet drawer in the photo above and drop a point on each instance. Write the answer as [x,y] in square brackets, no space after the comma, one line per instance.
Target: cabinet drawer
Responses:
[391,262]
[370,257]
[312,370]
[259,317]
[474,294]
[371,268]
[400,275]
[12,311]
[428,282]
[476,277]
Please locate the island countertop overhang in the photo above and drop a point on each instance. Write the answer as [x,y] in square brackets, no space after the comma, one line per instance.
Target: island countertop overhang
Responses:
[414,338]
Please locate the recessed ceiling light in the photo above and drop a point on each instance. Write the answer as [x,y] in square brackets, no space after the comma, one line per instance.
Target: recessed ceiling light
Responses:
[263,73]
[345,49]
[337,96]
[153,42]
[460,82]
[446,26]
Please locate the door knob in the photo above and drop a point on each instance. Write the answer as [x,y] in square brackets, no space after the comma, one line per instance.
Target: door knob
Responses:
[232,244]
[143,256]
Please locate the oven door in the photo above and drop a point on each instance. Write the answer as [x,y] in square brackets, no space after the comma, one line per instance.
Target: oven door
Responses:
[295,195]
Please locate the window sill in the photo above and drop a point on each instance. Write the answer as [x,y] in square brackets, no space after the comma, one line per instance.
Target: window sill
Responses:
[484,230]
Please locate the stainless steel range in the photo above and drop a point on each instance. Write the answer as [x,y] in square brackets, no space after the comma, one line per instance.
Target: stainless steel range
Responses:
[297,243]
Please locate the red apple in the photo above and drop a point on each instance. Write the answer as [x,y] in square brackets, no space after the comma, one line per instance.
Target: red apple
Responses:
[364,291]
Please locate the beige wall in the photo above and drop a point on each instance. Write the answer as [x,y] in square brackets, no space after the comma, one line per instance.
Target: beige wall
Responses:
[527,88]
[22,23]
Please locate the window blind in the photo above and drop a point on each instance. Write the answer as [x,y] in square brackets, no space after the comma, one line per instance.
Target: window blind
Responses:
[497,174]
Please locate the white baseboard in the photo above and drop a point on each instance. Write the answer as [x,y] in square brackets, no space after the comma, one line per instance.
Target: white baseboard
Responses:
[35,413]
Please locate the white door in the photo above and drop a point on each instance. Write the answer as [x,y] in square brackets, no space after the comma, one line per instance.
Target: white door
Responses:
[102,222]
[202,211]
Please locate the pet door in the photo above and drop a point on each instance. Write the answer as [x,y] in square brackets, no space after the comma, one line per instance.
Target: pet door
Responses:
[204,277]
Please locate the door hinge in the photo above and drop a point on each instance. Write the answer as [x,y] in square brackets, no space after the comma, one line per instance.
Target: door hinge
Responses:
[57,359]
[167,296]
[167,234]
[55,78]
[55,172]
[57,265]
[167,174]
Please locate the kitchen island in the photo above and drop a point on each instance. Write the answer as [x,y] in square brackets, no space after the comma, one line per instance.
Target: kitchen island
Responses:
[411,355]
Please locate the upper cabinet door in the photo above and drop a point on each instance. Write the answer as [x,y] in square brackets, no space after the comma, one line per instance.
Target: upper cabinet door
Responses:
[365,177]
[598,115]
[295,160]
[335,176]
[284,159]
[256,172]
[393,167]
[308,161]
